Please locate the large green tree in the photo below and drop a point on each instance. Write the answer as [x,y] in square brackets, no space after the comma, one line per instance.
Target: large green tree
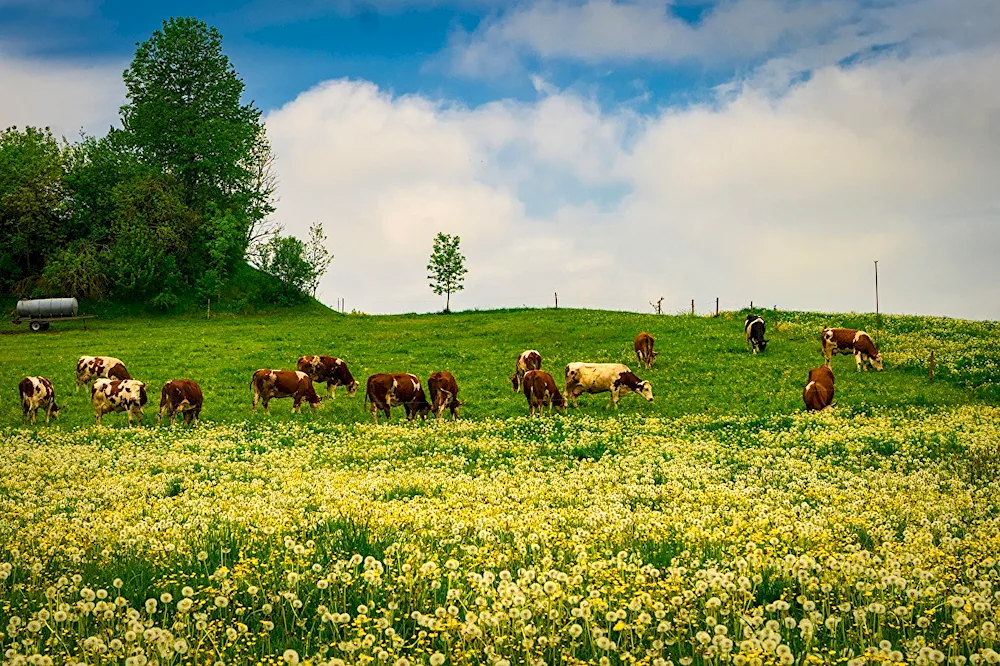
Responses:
[184,114]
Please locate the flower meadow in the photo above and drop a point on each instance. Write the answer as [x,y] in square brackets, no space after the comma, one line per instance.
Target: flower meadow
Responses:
[841,537]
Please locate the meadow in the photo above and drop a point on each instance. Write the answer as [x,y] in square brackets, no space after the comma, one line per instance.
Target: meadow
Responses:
[718,524]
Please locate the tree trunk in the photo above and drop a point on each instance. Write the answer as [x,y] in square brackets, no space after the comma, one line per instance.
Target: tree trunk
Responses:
[447,302]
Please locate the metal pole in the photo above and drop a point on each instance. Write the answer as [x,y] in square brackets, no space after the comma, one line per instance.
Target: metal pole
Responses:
[716,306]
[692,306]
[557,299]
[878,318]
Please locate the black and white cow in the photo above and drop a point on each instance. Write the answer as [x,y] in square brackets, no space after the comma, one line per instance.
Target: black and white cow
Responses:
[755,328]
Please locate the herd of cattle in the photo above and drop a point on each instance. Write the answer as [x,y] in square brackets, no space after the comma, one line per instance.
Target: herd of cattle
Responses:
[114,389]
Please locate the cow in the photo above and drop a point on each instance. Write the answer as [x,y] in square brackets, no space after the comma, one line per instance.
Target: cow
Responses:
[96,367]
[387,390]
[180,395]
[528,360]
[615,378]
[643,345]
[37,393]
[755,328]
[851,341]
[118,395]
[267,384]
[818,393]
[331,370]
[443,391]
[540,390]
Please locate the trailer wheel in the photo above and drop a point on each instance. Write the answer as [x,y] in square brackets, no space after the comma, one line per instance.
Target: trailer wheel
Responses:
[35,326]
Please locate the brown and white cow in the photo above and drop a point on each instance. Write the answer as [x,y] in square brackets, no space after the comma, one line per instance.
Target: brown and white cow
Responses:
[387,390]
[818,393]
[37,393]
[528,360]
[118,395]
[443,390]
[95,367]
[267,384]
[615,378]
[331,370]
[180,395]
[851,341]
[643,346]
[540,390]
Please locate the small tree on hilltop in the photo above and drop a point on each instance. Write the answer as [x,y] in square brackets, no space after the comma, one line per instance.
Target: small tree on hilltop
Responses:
[447,267]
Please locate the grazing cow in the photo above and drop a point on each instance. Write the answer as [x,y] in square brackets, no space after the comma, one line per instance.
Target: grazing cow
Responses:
[37,393]
[851,341]
[118,395]
[601,377]
[540,389]
[180,395]
[443,391]
[267,384]
[387,390]
[96,367]
[755,329]
[818,393]
[528,360]
[644,349]
[331,370]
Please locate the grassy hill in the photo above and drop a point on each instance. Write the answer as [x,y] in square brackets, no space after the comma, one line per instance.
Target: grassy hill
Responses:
[703,366]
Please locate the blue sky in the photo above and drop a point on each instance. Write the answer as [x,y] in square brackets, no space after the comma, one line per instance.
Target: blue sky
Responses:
[614,151]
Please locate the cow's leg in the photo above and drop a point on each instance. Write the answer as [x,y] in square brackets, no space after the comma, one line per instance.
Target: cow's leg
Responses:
[331,390]
[297,405]
[256,399]
[34,415]
[265,402]
[375,413]
[48,412]
[138,421]
[858,361]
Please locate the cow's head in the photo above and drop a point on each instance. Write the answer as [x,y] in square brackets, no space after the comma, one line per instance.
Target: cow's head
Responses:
[55,409]
[763,344]
[352,388]
[514,382]
[876,361]
[441,400]
[645,389]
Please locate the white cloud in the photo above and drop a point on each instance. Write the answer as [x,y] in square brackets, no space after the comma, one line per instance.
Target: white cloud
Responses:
[784,37]
[65,96]
[778,200]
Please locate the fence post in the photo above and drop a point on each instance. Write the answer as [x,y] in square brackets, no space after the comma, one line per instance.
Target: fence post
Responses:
[209,315]
[930,372]
[692,306]
[557,299]
[716,306]
[751,307]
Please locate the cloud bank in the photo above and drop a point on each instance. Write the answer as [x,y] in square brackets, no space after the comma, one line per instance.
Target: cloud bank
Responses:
[781,200]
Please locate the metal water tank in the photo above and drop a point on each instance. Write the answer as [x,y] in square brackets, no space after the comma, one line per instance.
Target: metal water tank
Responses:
[48,307]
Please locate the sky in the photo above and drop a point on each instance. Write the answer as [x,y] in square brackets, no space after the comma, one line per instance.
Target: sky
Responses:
[611,152]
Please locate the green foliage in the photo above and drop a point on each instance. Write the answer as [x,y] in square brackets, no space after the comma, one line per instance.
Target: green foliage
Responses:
[168,205]
[317,256]
[31,202]
[184,115]
[446,267]
[284,257]
[77,270]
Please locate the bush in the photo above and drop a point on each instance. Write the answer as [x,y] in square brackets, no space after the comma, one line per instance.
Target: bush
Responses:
[78,271]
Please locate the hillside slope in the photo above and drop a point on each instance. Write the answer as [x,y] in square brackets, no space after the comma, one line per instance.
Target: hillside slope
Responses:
[703,365]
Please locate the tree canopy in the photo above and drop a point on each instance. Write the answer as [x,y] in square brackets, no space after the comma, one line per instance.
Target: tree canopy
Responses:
[170,203]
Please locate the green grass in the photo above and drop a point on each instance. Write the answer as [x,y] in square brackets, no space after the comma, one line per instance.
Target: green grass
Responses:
[703,366]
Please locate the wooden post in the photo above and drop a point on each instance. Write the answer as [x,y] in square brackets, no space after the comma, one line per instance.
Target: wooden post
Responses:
[692,306]
[209,315]
[878,319]
[716,306]
[557,299]
[751,307]
[930,372]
